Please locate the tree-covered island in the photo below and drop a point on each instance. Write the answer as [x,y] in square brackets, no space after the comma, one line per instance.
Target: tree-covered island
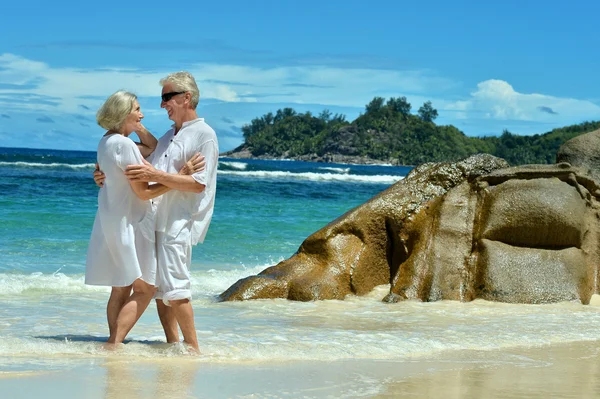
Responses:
[387,132]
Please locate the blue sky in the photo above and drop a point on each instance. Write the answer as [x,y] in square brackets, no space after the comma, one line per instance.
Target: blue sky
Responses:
[527,66]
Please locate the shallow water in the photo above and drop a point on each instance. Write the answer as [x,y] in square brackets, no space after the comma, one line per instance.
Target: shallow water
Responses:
[51,321]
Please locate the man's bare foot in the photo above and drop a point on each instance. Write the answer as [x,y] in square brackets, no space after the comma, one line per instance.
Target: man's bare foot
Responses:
[110,346]
[191,349]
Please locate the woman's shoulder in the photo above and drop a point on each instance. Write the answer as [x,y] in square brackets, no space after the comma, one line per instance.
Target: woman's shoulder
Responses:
[119,138]
[120,141]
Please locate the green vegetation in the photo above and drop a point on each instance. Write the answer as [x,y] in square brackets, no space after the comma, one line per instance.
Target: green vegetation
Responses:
[387,131]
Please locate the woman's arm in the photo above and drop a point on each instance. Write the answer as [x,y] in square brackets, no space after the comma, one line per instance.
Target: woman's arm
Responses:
[148,141]
[99,176]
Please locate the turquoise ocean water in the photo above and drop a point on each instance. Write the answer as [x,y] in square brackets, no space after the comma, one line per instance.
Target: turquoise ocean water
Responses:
[264,210]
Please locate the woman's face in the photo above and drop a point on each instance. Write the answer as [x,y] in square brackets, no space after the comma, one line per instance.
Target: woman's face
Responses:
[132,121]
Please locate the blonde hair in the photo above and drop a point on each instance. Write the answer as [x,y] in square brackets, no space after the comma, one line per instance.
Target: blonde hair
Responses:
[183,81]
[115,109]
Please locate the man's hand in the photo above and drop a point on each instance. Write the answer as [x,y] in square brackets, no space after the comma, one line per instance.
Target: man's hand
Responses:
[99,177]
[193,165]
[144,172]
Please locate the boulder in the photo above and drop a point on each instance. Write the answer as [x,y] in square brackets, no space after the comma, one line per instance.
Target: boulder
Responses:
[364,247]
[582,151]
[476,228]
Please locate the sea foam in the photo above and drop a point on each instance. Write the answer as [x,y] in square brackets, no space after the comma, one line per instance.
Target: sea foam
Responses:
[204,282]
[337,170]
[380,179]
[54,165]
[233,165]
[281,330]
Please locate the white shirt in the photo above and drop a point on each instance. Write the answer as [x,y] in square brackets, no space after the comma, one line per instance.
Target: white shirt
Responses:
[179,209]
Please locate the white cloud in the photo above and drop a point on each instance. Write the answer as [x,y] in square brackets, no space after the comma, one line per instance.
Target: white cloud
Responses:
[18,70]
[497,99]
[316,85]
[30,88]
[58,90]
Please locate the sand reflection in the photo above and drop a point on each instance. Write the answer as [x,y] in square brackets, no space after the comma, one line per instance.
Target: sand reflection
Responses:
[152,379]
[559,372]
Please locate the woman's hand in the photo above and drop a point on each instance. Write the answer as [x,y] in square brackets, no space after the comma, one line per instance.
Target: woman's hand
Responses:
[148,141]
[193,165]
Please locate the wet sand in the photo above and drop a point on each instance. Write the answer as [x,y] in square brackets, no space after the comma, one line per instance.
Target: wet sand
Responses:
[566,371]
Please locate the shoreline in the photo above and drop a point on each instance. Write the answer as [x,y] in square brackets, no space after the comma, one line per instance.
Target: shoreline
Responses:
[327,158]
[561,370]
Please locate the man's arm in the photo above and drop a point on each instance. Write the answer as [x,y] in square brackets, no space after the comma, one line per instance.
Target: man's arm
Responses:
[193,165]
[148,141]
[145,191]
[147,173]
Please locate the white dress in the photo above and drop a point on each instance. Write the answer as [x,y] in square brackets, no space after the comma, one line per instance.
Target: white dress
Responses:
[122,246]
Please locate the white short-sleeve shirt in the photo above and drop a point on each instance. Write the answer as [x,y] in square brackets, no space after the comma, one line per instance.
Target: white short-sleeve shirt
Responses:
[179,209]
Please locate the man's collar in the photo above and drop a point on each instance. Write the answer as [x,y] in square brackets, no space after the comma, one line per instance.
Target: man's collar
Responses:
[188,123]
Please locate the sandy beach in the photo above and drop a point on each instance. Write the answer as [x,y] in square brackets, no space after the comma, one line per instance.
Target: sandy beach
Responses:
[563,371]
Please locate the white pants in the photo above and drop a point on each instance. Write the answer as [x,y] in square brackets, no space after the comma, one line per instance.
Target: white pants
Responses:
[174,257]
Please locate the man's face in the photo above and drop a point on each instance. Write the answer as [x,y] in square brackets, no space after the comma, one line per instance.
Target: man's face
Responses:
[174,103]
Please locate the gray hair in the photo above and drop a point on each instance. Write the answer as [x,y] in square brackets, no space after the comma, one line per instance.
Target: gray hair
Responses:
[115,109]
[183,81]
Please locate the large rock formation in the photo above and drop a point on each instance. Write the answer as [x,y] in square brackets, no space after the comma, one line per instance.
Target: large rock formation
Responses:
[582,151]
[460,231]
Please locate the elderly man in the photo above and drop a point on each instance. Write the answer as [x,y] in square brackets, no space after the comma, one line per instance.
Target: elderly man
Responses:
[184,213]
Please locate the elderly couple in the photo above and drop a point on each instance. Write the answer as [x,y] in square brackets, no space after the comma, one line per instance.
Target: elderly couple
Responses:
[151,213]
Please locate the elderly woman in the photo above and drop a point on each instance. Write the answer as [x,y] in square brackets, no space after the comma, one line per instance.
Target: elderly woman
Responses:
[121,252]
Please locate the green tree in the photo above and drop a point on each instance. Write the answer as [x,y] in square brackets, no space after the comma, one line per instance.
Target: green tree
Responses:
[390,132]
[325,115]
[268,118]
[400,105]
[375,105]
[339,118]
[427,113]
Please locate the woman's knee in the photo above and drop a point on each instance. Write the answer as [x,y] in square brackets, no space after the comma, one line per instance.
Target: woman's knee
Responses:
[121,292]
[142,287]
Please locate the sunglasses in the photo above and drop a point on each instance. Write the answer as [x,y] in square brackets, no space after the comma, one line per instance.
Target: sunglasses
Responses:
[167,96]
